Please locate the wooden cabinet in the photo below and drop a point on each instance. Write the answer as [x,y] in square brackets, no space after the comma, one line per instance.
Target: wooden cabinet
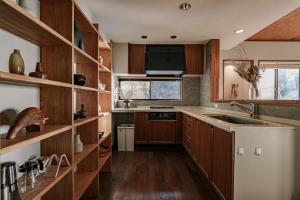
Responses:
[162,132]
[188,133]
[205,148]
[194,58]
[222,163]
[140,132]
[213,150]
[136,58]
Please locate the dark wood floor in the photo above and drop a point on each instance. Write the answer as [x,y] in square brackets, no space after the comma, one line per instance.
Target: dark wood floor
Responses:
[153,175]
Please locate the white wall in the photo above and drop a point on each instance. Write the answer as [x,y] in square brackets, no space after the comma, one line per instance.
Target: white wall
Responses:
[120,58]
[19,97]
[261,51]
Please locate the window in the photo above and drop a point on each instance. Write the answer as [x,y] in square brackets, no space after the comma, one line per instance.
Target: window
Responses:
[280,80]
[150,89]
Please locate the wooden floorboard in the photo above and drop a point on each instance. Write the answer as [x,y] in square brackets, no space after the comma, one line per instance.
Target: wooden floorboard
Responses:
[153,175]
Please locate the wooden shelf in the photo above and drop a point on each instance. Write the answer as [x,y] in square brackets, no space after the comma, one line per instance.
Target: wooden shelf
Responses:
[20,22]
[30,81]
[104,92]
[45,184]
[82,57]
[103,160]
[87,149]
[83,121]
[22,140]
[104,137]
[103,68]
[82,181]
[104,114]
[85,88]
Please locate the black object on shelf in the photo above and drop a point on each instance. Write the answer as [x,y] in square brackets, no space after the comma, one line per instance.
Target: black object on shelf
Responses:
[79,79]
[78,38]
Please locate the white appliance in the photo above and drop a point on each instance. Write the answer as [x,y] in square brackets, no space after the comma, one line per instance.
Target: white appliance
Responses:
[126,137]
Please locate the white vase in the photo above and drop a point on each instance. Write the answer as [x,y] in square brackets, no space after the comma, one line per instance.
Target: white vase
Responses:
[78,145]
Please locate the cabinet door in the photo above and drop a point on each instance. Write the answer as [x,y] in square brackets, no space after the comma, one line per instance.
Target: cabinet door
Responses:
[140,123]
[179,128]
[205,148]
[222,170]
[189,130]
[184,125]
[136,58]
[194,58]
[162,132]
[195,139]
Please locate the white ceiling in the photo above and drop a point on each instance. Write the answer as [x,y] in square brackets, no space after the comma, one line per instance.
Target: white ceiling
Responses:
[127,20]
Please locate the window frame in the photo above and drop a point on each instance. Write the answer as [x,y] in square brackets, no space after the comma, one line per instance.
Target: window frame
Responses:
[150,80]
[276,70]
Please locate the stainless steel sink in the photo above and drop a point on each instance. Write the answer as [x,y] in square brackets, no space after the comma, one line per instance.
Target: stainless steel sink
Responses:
[236,120]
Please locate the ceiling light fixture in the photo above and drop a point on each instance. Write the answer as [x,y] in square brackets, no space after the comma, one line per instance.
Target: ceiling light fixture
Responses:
[144,36]
[239,31]
[173,37]
[185,6]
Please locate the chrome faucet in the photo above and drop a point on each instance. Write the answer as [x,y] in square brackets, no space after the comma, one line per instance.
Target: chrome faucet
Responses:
[251,108]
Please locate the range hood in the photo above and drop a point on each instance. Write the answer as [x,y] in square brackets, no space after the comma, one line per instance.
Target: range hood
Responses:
[165,60]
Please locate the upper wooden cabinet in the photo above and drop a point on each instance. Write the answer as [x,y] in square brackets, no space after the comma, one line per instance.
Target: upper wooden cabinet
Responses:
[136,58]
[194,58]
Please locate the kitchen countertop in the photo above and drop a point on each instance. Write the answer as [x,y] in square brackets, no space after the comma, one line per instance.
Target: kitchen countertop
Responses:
[201,112]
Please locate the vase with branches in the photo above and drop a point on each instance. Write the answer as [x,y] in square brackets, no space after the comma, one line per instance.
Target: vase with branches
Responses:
[250,73]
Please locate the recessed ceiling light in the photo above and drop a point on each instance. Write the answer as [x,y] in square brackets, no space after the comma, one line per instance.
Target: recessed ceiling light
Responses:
[173,37]
[239,31]
[185,6]
[144,36]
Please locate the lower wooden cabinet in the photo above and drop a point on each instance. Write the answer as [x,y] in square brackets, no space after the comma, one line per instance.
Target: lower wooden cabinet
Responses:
[140,129]
[154,131]
[213,151]
[162,132]
[222,163]
[205,148]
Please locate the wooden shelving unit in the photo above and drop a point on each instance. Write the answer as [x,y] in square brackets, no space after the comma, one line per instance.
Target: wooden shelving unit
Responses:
[60,98]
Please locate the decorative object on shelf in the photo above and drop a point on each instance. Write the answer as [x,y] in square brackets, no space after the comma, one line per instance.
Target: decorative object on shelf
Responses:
[8,116]
[53,169]
[28,181]
[234,91]
[101,60]
[99,109]
[79,79]
[9,184]
[101,133]
[78,145]
[39,72]
[16,63]
[78,38]
[43,161]
[31,118]
[101,86]
[247,72]
[82,112]
[26,4]
[76,116]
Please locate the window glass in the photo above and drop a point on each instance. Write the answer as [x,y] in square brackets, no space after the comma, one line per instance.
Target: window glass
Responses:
[288,84]
[267,84]
[150,89]
[166,90]
[134,89]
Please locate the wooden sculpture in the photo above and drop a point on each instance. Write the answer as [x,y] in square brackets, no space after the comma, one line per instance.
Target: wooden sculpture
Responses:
[31,118]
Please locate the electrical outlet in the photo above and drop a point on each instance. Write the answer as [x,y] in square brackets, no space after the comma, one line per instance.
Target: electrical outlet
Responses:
[216,105]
